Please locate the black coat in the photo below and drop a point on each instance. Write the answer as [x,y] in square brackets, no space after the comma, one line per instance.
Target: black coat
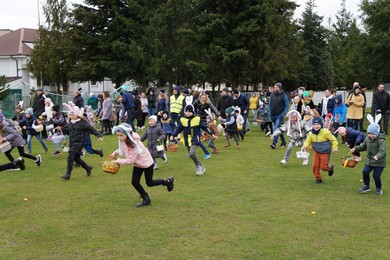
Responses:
[224,102]
[78,133]
[78,101]
[39,105]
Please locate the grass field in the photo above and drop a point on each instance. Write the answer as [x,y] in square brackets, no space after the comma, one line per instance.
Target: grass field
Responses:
[246,205]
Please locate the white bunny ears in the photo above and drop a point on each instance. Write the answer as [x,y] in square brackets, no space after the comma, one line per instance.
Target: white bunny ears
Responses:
[73,109]
[208,112]
[294,113]
[374,127]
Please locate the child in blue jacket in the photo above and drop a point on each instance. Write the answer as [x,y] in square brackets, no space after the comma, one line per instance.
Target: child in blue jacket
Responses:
[339,114]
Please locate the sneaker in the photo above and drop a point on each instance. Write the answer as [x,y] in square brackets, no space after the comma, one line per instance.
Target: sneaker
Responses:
[283,144]
[364,189]
[56,153]
[227,145]
[273,146]
[38,161]
[379,191]
[169,183]
[283,162]
[319,181]
[89,170]
[215,150]
[66,176]
[330,173]
[165,158]
[99,152]
[200,170]
[206,156]
[305,162]
[20,163]
[267,134]
[14,169]
[49,138]
[155,167]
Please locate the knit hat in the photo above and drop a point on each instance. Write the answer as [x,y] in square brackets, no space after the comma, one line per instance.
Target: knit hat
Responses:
[374,127]
[278,84]
[236,91]
[177,89]
[1,117]
[225,89]
[56,108]
[229,110]
[153,117]
[189,108]
[186,91]
[29,111]
[126,129]
[318,120]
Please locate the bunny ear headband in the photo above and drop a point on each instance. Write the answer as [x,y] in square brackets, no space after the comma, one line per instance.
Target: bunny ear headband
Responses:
[73,109]
[294,113]
[208,112]
[374,127]
[126,129]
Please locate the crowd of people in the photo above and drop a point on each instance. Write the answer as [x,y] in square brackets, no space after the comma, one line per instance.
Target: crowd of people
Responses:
[193,117]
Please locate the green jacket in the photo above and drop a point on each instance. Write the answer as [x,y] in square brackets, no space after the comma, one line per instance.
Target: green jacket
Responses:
[377,147]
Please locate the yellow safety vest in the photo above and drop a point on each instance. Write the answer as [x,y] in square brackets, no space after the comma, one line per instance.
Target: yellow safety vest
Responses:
[176,105]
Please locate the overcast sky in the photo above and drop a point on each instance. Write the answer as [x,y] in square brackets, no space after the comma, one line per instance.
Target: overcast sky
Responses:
[15,14]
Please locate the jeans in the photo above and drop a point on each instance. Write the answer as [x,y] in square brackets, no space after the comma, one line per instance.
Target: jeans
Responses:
[175,118]
[151,111]
[354,123]
[377,172]
[277,121]
[29,138]
[384,122]
[130,119]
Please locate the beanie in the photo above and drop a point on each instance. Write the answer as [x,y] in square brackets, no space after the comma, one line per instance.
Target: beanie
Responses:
[1,117]
[373,129]
[177,89]
[225,89]
[235,91]
[318,120]
[56,108]
[29,111]
[229,110]
[153,117]
[186,91]
[278,84]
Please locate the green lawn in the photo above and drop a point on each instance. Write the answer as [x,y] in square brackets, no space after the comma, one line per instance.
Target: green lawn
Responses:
[246,205]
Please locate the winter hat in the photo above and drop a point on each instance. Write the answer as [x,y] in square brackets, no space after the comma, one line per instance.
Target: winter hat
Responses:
[29,111]
[186,91]
[126,129]
[56,108]
[1,117]
[229,110]
[306,94]
[153,117]
[236,91]
[225,89]
[318,120]
[189,108]
[177,89]
[374,127]
[278,84]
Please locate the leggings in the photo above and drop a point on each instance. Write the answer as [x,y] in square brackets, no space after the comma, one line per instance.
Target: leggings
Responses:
[21,153]
[137,173]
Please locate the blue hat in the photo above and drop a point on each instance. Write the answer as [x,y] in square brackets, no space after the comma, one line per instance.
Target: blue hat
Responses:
[29,111]
[373,129]
[1,117]
[177,89]
[318,120]
[229,110]
[278,84]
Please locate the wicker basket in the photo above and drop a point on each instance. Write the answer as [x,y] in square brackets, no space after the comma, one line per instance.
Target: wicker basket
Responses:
[172,147]
[109,166]
[350,164]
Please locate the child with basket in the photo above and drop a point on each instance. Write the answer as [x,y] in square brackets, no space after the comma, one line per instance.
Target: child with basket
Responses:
[375,145]
[296,133]
[131,147]
[323,143]
[155,135]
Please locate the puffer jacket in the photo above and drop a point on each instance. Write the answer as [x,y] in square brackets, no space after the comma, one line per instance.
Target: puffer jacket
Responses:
[11,134]
[191,128]
[323,142]
[154,134]
[78,132]
[296,136]
[375,147]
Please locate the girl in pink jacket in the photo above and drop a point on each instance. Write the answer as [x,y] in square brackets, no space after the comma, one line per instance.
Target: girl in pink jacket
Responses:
[131,147]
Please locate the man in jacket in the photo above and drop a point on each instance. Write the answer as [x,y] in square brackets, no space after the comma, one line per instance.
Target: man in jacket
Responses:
[225,101]
[278,107]
[382,106]
[176,105]
[128,104]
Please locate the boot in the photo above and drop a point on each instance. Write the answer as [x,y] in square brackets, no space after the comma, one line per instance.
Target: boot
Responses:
[89,170]
[66,176]
[99,152]
[169,183]
[145,201]
[19,163]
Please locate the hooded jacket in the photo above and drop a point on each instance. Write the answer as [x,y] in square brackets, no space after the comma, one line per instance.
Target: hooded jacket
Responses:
[154,134]
[375,147]
[11,134]
[339,111]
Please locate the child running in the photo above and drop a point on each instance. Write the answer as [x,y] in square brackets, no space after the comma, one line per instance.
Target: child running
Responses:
[191,127]
[154,134]
[296,133]
[323,143]
[78,129]
[167,126]
[230,126]
[29,123]
[375,145]
[131,147]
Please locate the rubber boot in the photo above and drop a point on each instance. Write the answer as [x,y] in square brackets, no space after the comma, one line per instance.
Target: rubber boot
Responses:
[145,201]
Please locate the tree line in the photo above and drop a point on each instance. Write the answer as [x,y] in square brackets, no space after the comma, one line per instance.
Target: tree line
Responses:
[186,42]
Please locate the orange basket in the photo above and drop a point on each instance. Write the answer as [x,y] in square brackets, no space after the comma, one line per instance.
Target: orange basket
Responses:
[109,166]
[348,162]
[172,147]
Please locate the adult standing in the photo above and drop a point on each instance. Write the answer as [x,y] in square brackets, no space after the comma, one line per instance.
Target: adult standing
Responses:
[145,108]
[128,104]
[327,104]
[242,101]
[278,107]
[151,102]
[354,102]
[176,102]
[161,105]
[106,113]
[225,101]
[382,106]
[39,106]
[137,109]
[33,97]
[78,100]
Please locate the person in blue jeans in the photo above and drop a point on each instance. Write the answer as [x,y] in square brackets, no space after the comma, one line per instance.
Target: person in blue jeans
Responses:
[278,106]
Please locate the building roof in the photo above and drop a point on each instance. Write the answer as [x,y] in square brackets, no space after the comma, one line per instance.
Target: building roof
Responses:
[18,42]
